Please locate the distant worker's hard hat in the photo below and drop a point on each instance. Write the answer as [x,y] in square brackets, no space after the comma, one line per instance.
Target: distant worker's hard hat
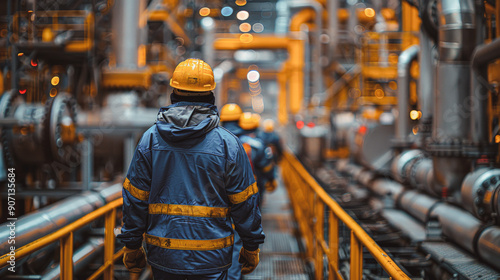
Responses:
[194,76]
[249,121]
[268,125]
[230,112]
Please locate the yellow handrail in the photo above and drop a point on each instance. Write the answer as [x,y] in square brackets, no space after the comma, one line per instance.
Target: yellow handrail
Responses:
[308,201]
[65,235]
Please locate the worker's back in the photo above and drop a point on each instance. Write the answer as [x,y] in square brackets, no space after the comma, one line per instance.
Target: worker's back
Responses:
[200,176]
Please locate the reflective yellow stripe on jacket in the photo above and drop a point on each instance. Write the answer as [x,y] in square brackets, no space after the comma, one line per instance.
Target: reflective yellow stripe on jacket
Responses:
[135,192]
[189,210]
[244,195]
[187,244]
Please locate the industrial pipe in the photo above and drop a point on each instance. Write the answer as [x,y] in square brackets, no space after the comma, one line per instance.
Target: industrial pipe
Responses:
[480,119]
[220,72]
[404,77]
[127,23]
[55,216]
[426,81]
[316,53]
[333,27]
[451,126]
[457,224]
[81,259]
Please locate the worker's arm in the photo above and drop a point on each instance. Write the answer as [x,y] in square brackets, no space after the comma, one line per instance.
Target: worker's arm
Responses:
[135,191]
[243,194]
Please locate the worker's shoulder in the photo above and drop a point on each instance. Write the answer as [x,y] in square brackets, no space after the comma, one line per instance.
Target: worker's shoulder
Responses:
[227,135]
[231,142]
[148,139]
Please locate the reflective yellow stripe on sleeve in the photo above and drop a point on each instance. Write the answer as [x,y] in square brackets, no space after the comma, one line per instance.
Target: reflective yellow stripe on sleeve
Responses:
[189,244]
[244,195]
[135,192]
[189,210]
[268,168]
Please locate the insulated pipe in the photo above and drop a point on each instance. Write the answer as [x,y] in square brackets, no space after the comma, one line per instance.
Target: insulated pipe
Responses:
[35,225]
[480,119]
[451,119]
[403,121]
[127,21]
[457,224]
[316,53]
[81,259]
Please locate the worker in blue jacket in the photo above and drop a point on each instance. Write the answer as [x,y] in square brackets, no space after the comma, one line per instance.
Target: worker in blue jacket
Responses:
[269,136]
[230,117]
[262,156]
[188,179]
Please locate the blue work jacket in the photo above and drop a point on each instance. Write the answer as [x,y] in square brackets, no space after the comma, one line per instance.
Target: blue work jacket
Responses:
[271,139]
[188,179]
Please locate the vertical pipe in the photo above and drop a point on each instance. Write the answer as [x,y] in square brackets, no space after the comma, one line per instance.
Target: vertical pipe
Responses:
[451,120]
[497,18]
[128,151]
[208,25]
[220,72]
[87,162]
[126,25]
[480,119]
[426,81]
[282,95]
[403,122]
[316,52]
[333,23]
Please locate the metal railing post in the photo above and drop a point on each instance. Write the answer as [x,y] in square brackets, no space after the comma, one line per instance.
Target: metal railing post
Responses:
[333,240]
[109,243]
[320,234]
[356,258]
[66,262]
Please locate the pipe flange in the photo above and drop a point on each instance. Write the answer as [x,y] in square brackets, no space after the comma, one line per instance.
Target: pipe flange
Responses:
[480,193]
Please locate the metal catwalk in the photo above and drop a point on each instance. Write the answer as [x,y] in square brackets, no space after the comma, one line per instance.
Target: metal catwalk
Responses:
[281,256]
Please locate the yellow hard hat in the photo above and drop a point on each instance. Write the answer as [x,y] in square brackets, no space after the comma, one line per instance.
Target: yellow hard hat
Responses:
[193,75]
[268,125]
[249,121]
[230,112]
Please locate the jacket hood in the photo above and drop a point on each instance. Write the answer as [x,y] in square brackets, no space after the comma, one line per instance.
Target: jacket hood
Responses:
[233,127]
[185,121]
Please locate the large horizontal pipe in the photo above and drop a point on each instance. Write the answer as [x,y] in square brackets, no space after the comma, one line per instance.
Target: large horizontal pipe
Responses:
[457,224]
[55,216]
